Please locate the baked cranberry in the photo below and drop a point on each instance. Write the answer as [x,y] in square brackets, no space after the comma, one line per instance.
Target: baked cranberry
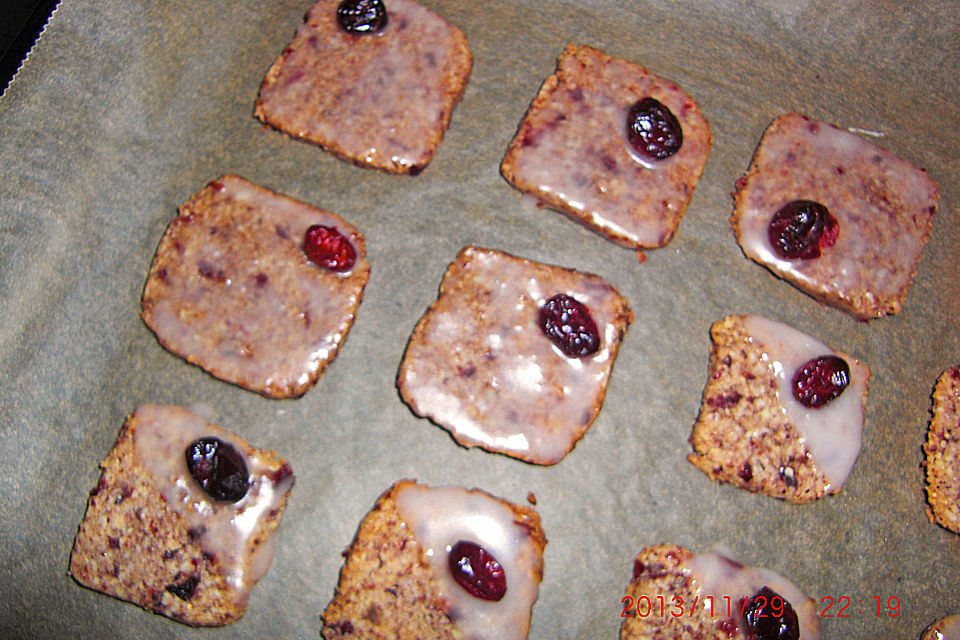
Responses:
[653,130]
[476,570]
[219,469]
[820,380]
[329,248]
[801,228]
[570,326]
[771,617]
[185,588]
[362,16]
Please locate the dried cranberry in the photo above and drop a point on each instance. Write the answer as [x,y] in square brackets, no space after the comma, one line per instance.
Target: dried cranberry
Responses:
[362,16]
[570,326]
[329,248]
[771,617]
[476,570]
[801,228]
[820,380]
[185,588]
[653,130]
[219,469]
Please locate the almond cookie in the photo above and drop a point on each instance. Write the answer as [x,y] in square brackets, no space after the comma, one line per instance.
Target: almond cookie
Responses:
[181,522]
[443,563]
[255,287]
[943,452]
[613,146]
[678,595]
[782,413]
[372,82]
[514,356]
[834,215]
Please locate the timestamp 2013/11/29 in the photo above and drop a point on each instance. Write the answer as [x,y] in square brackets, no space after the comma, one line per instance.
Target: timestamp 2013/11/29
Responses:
[727,606]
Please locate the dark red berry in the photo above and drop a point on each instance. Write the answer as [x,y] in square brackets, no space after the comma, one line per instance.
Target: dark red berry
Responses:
[476,570]
[820,380]
[329,248]
[653,130]
[570,326]
[185,588]
[218,468]
[362,16]
[771,617]
[801,228]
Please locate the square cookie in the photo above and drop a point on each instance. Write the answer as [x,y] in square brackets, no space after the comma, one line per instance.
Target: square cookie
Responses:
[481,366]
[380,96]
[255,287]
[834,215]
[942,452]
[573,151]
[445,563]
[782,413]
[155,536]
[676,594]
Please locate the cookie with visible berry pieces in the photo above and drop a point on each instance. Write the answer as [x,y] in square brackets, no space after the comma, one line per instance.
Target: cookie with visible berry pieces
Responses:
[161,529]
[942,452]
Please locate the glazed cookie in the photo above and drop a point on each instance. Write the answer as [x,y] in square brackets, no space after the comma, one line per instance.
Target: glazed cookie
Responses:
[255,287]
[514,356]
[613,146]
[439,563]
[373,82]
[181,522]
[710,597]
[836,216]
[943,452]
[782,413]
[943,629]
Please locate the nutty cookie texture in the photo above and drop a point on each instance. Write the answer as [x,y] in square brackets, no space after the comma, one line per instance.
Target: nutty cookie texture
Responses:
[942,452]
[834,215]
[782,413]
[443,563]
[613,146]
[155,536]
[703,595]
[514,356]
[258,289]
[375,85]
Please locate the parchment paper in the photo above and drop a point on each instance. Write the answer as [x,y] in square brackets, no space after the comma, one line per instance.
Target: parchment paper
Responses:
[125,108]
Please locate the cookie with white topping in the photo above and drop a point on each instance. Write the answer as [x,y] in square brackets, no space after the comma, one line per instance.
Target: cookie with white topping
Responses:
[514,355]
[612,145]
[942,452]
[833,214]
[782,413]
[373,82]
[439,562]
[163,527]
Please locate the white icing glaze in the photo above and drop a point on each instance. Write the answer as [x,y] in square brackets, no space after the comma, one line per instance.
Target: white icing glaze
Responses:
[882,205]
[440,517]
[832,432]
[379,98]
[727,582]
[274,318]
[226,530]
[946,629]
[575,149]
[526,397]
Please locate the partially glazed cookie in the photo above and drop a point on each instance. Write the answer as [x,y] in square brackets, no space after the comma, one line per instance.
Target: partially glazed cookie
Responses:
[782,413]
[947,628]
[710,597]
[439,562]
[181,522]
[942,452]
[834,215]
[255,287]
[514,355]
[373,82]
[613,146]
